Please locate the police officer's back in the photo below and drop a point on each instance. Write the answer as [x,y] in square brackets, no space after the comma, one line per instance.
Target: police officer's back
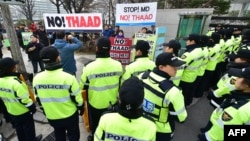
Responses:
[128,123]
[101,80]
[142,63]
[59,95]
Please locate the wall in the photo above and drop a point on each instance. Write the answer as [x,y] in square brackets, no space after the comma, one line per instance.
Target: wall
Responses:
[170,19]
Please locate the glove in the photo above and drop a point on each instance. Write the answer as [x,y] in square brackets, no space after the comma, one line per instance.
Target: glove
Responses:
[32,108]
[81,110]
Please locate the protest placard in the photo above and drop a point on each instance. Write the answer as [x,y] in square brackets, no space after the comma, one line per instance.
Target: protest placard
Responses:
[120,49]
[136,14]
[73,22]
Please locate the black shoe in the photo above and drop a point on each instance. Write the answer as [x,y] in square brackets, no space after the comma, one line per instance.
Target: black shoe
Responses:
[90,138]
[39,137]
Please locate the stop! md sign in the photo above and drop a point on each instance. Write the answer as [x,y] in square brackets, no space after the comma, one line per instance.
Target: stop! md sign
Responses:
[73,22]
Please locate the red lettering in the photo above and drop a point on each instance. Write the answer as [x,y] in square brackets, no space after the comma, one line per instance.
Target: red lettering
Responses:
[124,17]
[75,21]
[97,21]
[68,19]
[90,22]
[142,17]
[83,22]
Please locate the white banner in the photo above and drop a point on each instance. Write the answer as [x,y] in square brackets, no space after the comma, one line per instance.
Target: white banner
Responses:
[136,14]
[73,22]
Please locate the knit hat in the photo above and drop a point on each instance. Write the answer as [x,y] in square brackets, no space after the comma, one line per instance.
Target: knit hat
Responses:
[49,54]
[143,46]
[166,58]
[6,64]
[103,44]
[131,94]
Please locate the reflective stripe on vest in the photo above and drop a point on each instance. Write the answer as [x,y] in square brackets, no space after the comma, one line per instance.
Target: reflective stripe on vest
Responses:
[53,99]
[208,137]
[177,112]
[103,88]
[10,100]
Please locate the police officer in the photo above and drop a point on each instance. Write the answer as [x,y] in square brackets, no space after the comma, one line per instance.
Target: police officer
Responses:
[233,111]
[101,79]
[163,101]
[226,84]
[193,56]
[15,95]
[129,116]
[59,95]
[142,62]
[173,46]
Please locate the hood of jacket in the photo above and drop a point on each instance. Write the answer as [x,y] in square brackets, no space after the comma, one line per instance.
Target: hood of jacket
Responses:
[60,43]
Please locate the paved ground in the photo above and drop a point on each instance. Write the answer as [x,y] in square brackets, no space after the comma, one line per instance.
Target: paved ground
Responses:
[198,115]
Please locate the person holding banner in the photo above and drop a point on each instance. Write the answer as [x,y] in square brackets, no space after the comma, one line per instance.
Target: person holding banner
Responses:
[142,63]
[67,51]
[14,93]
[101,80]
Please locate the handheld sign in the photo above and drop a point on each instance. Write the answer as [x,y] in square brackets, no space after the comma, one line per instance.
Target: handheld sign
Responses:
[137,14]
[120,49]
[84,22]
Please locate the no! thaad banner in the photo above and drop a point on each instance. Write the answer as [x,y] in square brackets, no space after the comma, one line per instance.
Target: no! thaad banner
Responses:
[137,14]
[120,49]
[85,22]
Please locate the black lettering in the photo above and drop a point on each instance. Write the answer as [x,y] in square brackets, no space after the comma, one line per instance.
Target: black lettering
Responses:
[50,21]
[58,21]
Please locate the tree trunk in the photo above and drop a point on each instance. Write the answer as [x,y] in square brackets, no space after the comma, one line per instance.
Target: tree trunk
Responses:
[14,45]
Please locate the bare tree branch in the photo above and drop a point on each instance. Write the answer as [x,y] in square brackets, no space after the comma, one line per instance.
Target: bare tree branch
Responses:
[28,9]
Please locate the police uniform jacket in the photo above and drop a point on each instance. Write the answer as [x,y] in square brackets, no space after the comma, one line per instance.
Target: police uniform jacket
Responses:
[233,111]
[101,79]
[163,101]
[14,94]
[141,64]
[58,92]
[113,126]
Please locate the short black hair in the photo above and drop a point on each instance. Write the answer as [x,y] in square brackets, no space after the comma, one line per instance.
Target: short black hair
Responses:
[60,34]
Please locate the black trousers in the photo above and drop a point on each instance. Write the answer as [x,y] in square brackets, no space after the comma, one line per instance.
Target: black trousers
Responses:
[199,89]
[163,136]
[188,90]
[94,117]
[68,126]
[25,127]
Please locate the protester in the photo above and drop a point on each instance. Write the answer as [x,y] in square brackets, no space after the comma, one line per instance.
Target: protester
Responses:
[33,49]
[67,51]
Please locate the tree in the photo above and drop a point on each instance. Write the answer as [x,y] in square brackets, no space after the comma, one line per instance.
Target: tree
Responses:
[57,3]
[72,6]
[27,10]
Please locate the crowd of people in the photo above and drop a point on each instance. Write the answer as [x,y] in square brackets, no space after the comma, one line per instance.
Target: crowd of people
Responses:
[140,102]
